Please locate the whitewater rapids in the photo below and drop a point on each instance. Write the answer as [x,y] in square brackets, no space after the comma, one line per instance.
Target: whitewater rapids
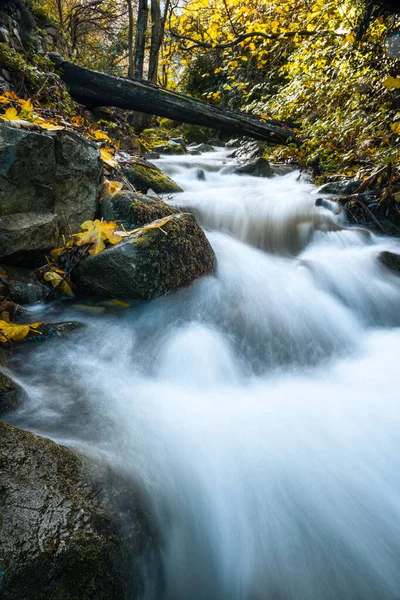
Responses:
[258,410]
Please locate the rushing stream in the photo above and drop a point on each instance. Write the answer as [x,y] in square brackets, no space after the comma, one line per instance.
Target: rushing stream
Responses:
[258,409]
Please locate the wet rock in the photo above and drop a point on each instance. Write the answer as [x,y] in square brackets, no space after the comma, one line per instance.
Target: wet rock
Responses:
[150,264]
[11,396]
[346,186]
[180,141]
[49,185]
[391,260]
[171,147]
[21,285]
[249,150]
[146,175]
[132,209]
[200,175]
[233,143]
[202,148]
[258,167]
[14,311]
[59,534]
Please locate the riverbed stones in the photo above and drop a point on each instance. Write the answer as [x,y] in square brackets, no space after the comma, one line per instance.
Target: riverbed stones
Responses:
[152,263]
[132,209]
[258,167]
[144,176]
[59,535]
[49,184]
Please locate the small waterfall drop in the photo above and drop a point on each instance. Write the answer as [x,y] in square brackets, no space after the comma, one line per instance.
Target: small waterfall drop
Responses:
[257,409]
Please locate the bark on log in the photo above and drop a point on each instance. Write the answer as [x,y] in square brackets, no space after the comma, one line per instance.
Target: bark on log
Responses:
[100,89]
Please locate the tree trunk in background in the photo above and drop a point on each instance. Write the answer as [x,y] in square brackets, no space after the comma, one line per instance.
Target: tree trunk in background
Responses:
[131,67]
[140,38]
[157,36]
[60,13]
[155,40]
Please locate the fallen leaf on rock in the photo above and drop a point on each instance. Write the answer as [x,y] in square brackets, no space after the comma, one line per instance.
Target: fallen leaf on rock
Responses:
[96,233]
[107,156]
[56,279]
[112,187]
[101,135]
[16,333]
[11,114]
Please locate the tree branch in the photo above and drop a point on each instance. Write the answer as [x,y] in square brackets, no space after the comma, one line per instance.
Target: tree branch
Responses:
[244,36]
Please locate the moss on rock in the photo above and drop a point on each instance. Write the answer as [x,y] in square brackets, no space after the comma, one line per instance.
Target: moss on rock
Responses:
[146,176]
[149,264]
[132,209]
[59,535]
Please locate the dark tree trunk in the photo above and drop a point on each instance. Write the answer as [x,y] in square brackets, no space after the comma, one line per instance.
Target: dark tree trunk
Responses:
[156,39]
[131,67]
[100,89]
[140,46]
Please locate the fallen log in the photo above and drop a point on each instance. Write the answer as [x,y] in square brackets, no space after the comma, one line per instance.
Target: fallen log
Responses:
[93,88]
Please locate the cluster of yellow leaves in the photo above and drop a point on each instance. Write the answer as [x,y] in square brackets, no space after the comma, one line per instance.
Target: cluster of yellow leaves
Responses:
[13,332]
[22,112]
[99,233]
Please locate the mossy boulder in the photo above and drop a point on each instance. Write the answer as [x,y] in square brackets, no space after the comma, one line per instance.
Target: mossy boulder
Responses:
[11,395]
[148,264]
[133,209]
[60,536]
[145,176]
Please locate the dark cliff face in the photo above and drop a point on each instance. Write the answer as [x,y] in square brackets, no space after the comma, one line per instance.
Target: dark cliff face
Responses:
[61,533]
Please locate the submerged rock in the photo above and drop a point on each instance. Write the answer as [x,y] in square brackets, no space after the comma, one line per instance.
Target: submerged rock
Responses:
[391,260]
[259,167]
[48,331]
[149,264]
[146,175]
[11,395]
[132,209]
[49,184]
[59,534]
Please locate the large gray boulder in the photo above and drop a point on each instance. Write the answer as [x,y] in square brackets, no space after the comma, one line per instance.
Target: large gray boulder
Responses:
[133,209]
[149,264]
[60,537]
[49,184]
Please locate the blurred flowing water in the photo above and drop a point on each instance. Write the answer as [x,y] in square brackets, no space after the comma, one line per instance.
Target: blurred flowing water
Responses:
[258,409]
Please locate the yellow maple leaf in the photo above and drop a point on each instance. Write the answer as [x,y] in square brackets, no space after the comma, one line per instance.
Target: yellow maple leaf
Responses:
[56,279]
[48,125]
[15,332]
[112,187]
[96,233]
[100,135]
[26,105]
[391,83]
[107,156]
[10,115]
[4,99]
